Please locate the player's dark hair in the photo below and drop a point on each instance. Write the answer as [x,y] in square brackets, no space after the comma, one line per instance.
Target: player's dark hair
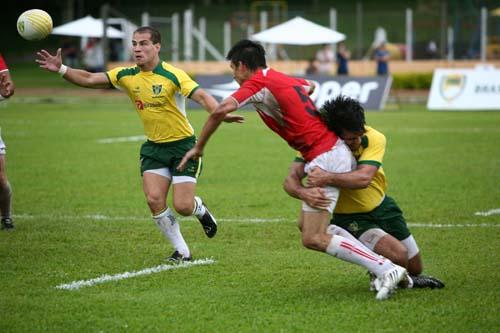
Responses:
[343,113]
[155,34]
[250,53]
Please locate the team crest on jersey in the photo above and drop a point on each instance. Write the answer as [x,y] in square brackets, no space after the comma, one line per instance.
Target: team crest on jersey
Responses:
[452,86]
[157,89]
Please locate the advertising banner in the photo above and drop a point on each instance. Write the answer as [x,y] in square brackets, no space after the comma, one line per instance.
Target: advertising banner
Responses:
[465,89]
[371,92]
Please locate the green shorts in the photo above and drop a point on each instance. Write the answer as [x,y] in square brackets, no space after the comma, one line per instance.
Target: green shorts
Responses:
[169,155]
[387,216]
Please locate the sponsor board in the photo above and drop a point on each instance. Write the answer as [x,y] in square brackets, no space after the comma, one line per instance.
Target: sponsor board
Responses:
[371,92]
[465,89]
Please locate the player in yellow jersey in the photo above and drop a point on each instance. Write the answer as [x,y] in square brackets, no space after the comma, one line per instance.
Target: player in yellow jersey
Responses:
[157,90]
[363,208]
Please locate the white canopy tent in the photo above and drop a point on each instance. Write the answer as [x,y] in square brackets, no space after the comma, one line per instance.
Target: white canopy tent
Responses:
[90,27]
[86,27]
[299,31]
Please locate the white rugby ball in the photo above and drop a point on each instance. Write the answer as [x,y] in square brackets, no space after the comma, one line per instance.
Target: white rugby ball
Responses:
[34,24]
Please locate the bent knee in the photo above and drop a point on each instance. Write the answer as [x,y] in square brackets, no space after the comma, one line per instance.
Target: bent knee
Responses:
[184,208]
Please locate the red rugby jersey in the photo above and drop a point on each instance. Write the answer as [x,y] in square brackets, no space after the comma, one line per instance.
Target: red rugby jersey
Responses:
[284,105]
[3,65]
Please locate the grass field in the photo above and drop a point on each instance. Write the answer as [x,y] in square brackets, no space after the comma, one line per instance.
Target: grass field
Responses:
[80,214]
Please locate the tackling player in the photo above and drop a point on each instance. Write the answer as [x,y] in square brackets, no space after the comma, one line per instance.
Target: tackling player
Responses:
[363,208]
[6,90]
[284,105]
[157,89]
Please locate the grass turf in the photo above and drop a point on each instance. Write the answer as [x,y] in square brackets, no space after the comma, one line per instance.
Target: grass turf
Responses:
[80,213]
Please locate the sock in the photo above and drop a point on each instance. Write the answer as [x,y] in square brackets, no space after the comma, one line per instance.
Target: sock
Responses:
[199,209]
[349,251]
[5,200]
[168,225]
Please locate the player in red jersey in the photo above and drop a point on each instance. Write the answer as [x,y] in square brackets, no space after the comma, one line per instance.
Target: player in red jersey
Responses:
[284,105]
[6,90]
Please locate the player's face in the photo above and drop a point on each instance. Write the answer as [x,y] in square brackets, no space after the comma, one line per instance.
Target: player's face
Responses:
[240,72]
[144,49]
[352,139]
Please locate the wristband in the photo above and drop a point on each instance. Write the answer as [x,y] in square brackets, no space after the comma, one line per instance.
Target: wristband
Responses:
[62,70]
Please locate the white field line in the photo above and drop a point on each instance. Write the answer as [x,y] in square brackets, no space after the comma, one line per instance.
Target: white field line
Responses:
[488,213]
[100,217]
[134,138]
[120,276]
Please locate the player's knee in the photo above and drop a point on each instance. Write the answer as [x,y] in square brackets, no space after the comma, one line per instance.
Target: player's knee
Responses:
[184,208]
[154,201]
[310,242]
[3,180]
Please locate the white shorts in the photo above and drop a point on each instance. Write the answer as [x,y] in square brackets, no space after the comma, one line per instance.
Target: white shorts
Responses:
[2,146]
[165,172]
[337,160]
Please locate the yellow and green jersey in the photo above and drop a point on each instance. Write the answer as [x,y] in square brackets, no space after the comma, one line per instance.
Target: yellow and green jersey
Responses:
[159,98]
[371,151]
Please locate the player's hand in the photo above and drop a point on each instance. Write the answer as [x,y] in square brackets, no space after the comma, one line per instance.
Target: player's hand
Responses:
[317,177]
[233,118]
[6,86]
[315,197]
[193,154]
[50,62]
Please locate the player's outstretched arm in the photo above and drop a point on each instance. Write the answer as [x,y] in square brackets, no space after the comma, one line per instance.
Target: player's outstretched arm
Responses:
[209,103]
[227,106]
[53,63]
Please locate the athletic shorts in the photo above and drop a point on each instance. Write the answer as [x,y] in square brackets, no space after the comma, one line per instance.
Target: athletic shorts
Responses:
[169,155]
[387,216]
[2,145]
[338,159]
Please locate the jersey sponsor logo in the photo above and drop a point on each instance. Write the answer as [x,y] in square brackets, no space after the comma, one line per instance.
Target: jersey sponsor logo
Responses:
[156,88]
[139,104]
[452,85]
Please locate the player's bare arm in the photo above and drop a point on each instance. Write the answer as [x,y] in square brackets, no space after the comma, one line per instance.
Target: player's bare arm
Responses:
[227,106]
[53,63]
[6,85]
[357,179]
[313,196]
[209,103]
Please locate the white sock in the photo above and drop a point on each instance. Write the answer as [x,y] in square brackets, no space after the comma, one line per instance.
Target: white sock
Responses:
[168,225]
[349,251]
[199,209]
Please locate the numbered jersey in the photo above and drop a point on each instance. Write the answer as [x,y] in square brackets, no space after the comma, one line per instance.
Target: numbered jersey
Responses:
[284,105]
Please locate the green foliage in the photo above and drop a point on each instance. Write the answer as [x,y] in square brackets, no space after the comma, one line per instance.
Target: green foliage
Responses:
[442,168]
[412,81]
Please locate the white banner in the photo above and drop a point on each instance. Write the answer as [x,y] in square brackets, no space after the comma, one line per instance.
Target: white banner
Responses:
[465,89]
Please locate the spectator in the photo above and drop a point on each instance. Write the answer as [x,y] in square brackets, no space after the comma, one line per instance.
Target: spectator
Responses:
[432,50]
[325,58]
[312,67]
[93,56]
[382,59]
[70,52]
[343,56]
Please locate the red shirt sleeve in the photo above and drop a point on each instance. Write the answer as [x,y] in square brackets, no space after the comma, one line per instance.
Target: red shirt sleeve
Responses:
[249,92]
[3,65]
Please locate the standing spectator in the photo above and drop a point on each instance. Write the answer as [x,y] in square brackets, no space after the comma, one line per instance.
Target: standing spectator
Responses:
[382,59]
[432,50]
[70,52]
[325,58]
[312,67]
[6,90]
[343,56]
[93,56]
